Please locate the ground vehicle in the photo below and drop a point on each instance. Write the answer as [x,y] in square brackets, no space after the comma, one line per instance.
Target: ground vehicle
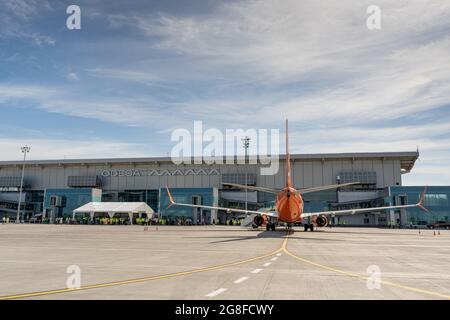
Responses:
[439,225]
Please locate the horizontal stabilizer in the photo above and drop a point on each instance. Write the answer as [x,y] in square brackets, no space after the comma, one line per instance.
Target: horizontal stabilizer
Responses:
[327,187]
[261,189]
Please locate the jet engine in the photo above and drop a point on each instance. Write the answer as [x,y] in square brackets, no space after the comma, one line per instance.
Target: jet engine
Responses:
[258,220]
[321,221]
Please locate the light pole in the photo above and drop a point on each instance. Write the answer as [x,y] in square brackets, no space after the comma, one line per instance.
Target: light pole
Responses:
[25,150]
[246,144]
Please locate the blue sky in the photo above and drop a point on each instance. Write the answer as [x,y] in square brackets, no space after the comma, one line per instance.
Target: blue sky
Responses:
[139,69]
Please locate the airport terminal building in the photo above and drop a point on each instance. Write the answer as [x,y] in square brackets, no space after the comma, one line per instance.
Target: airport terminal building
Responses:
[54,188]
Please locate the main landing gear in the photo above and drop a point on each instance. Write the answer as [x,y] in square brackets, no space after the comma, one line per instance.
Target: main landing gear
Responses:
[272,225]
[309,226]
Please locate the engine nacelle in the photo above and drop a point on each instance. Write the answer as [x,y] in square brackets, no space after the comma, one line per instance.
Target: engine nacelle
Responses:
[321,221]
[258,220]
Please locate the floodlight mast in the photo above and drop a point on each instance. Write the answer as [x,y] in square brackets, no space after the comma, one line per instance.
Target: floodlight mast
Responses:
[25,150]
[246,144]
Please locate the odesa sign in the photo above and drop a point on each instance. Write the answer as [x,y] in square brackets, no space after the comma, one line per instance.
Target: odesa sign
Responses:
[157,172]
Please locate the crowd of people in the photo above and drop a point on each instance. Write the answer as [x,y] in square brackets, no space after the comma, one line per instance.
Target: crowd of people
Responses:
[124,220]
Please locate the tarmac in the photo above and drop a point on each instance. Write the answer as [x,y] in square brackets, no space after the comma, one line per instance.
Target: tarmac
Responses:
[221,262]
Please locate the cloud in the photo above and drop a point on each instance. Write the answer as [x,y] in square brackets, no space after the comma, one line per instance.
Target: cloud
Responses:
[70,149]
[435,131]
[146,78]
[118,110]
[310,61]
[17,18]
[9,93]
[72,76]
[25,9]
[275,48]
[289,38]
[37,38]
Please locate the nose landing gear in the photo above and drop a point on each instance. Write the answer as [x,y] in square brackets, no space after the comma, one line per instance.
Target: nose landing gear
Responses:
[270,226]
[309,226]
[289,229]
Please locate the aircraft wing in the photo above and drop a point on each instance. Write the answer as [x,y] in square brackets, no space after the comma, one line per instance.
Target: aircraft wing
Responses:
[363,210]
[301,191]
[327,187]
[273,214]
[262,189]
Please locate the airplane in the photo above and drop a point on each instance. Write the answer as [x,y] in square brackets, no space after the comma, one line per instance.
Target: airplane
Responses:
[289,203]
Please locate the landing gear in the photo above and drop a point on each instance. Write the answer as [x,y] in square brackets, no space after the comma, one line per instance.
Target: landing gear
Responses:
[309,226]
[289,229]
[270,226]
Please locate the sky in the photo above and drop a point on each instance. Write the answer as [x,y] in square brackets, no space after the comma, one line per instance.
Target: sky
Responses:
[137,70]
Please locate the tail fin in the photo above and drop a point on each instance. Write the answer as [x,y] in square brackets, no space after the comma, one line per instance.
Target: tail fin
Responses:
[288,158]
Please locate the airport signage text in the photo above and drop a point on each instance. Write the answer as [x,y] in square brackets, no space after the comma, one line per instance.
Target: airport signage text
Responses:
[9,189]
[158,172]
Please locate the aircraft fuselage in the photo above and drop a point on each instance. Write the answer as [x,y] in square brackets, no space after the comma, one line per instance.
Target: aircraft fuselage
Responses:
[289,205]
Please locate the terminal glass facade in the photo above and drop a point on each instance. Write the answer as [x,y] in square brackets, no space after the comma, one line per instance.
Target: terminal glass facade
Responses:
[59,203]
[204,196]
[436,201]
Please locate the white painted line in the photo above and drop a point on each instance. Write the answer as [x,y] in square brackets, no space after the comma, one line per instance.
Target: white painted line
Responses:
[267,264]
[279,254]
[274,259]
[241,280]
[256,270]
[215,293]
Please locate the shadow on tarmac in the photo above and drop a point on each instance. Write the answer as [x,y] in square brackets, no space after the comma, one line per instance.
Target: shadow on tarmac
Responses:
[263,234]
[376,233]
[326,230]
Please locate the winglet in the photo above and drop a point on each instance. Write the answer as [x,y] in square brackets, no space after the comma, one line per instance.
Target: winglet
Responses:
[170,198]
[422,198]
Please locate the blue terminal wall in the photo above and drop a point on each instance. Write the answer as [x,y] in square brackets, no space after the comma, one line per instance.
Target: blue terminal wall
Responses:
[436,201]
[73,198]
[184,195]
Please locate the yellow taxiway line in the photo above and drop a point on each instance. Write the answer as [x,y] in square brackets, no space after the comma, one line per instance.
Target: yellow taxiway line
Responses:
[144,279]
[283,248]
[363,277]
